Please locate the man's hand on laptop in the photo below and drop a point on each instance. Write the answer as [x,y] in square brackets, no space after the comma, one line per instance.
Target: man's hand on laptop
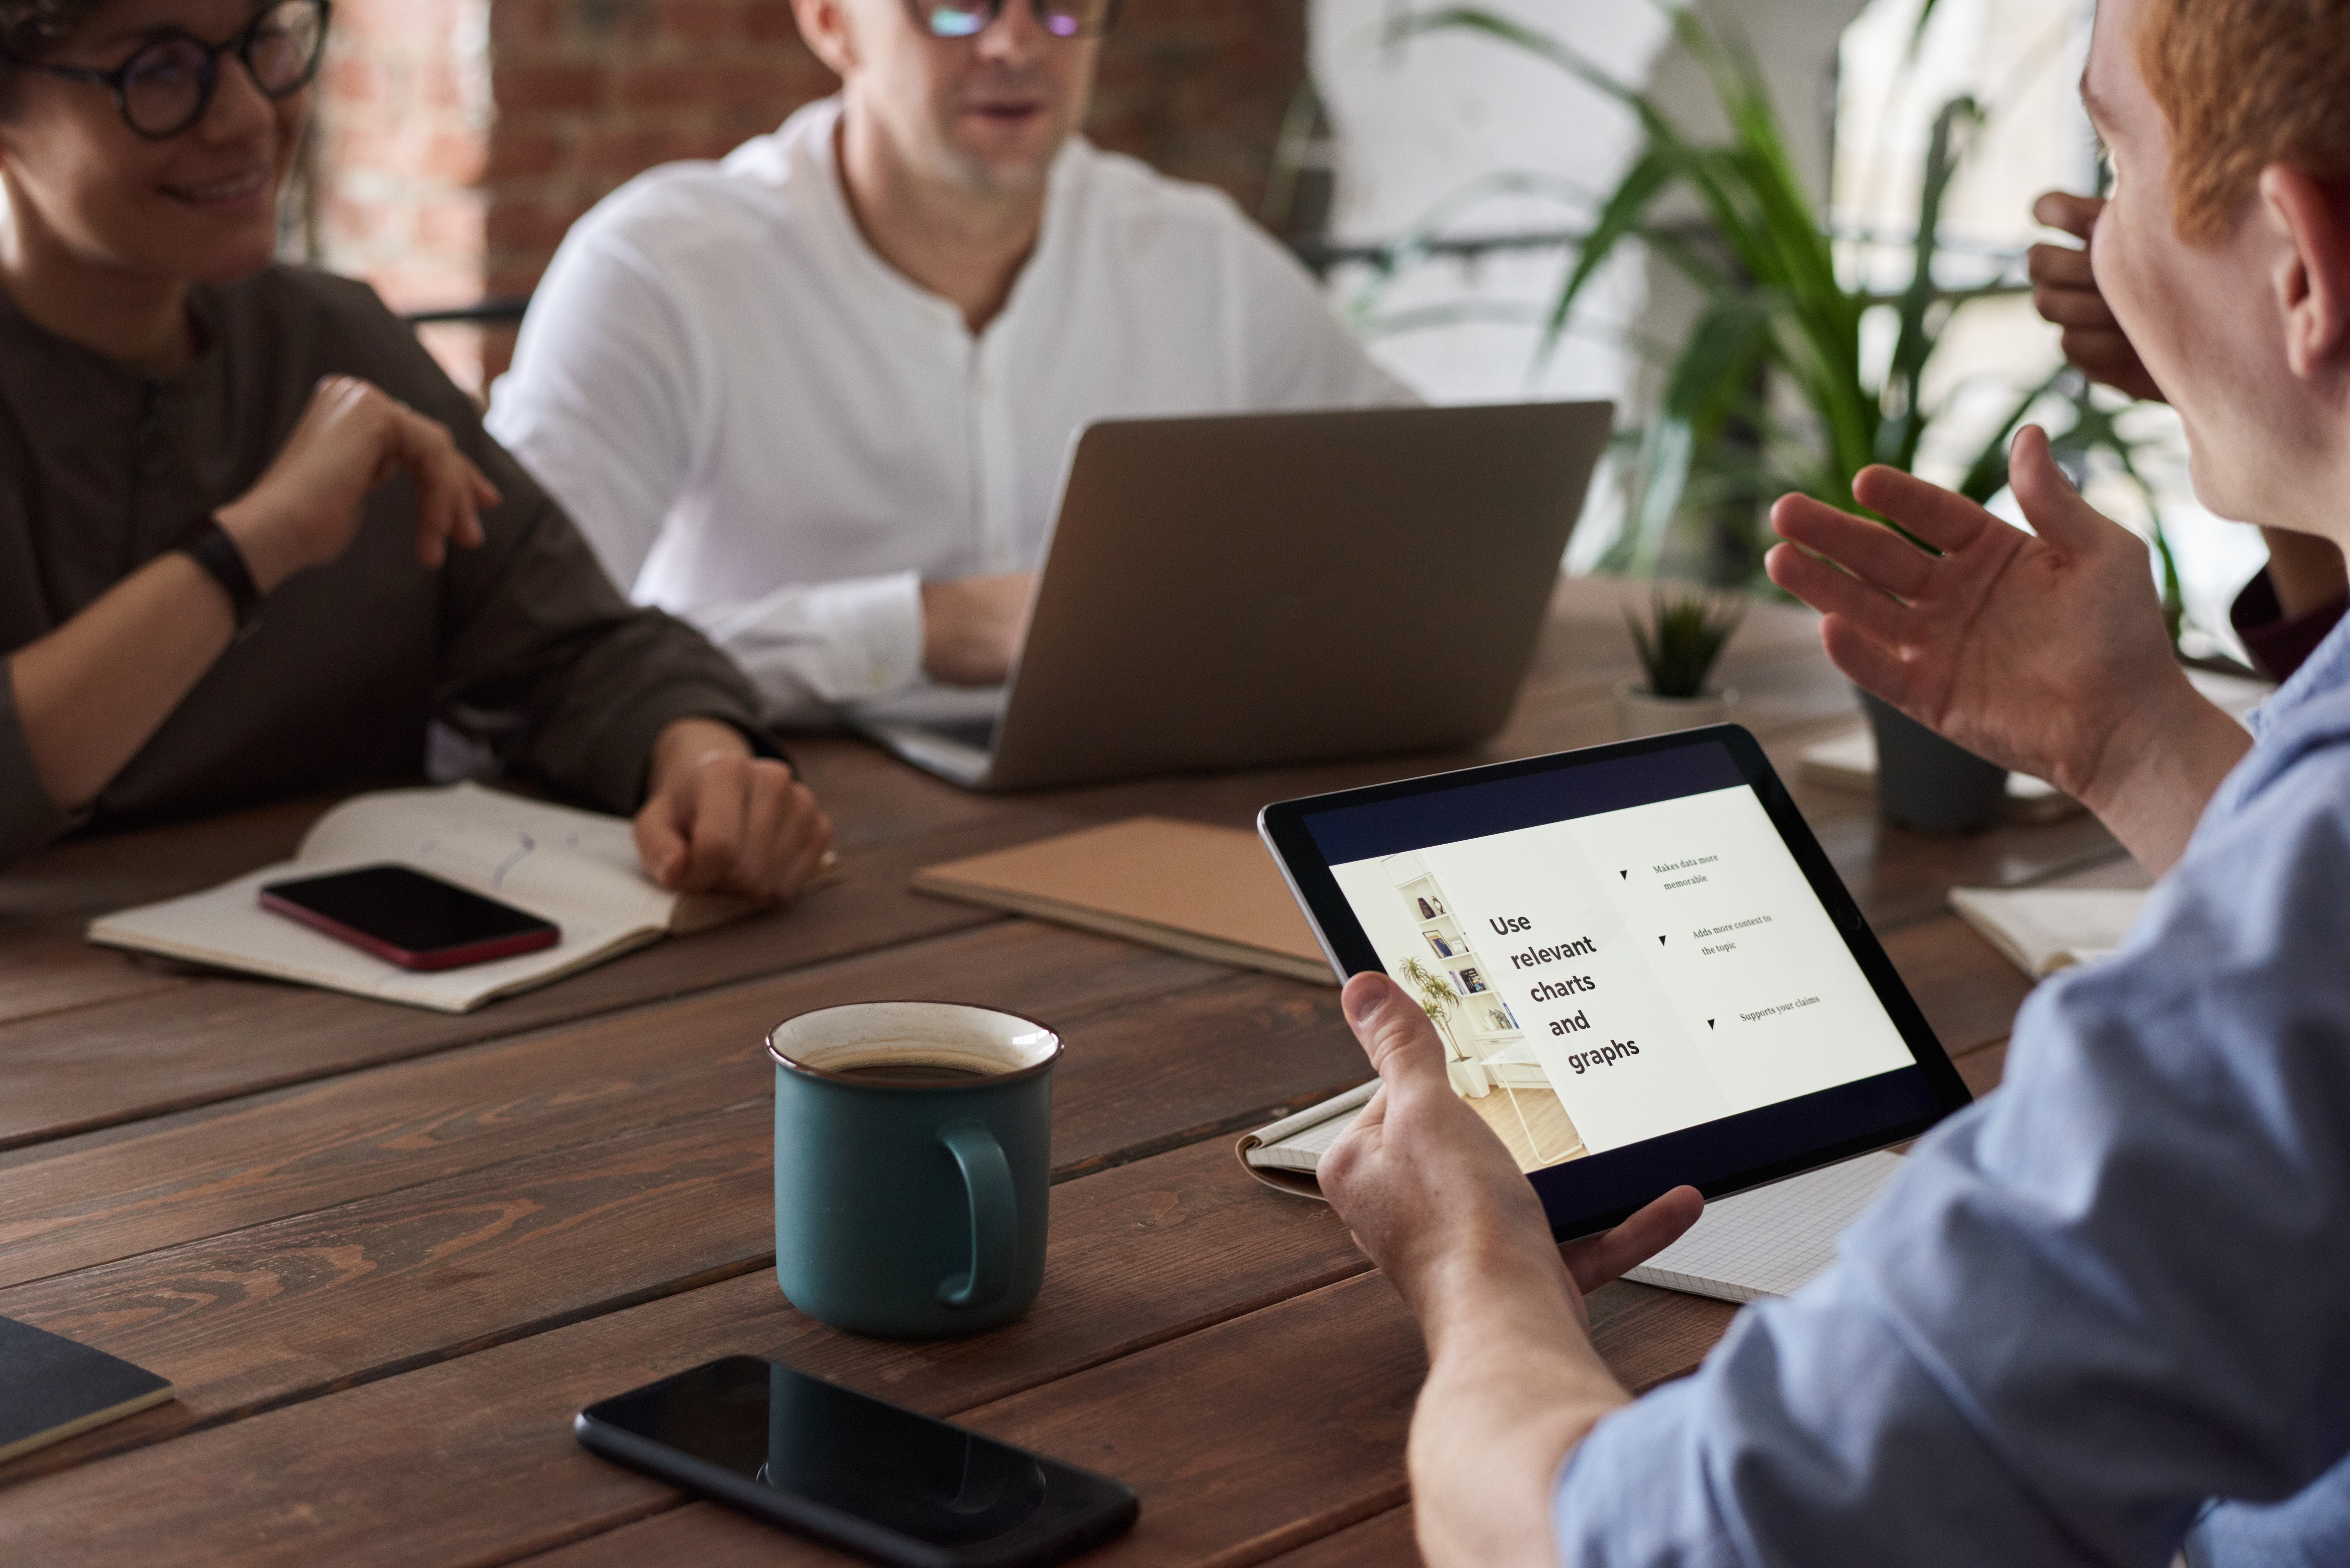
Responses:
[972,628]
[2044,653]
[1437,1203]
[718,819]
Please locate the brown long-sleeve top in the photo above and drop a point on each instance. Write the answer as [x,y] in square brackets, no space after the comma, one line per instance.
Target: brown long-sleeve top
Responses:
[522,643]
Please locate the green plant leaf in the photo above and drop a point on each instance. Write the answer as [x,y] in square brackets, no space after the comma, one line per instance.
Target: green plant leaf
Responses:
[1903,424]
[1777,314]
[1622,216]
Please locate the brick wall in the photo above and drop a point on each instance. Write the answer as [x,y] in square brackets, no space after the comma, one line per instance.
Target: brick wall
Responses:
[402,137]
[459,139]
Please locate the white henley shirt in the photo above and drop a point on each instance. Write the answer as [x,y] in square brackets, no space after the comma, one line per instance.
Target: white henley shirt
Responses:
[761,427]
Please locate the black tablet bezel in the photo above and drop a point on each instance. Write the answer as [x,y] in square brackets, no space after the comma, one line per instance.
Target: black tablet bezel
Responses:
[1720,1157]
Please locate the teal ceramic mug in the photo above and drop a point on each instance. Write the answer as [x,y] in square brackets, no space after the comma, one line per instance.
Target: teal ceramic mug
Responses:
[913,1165]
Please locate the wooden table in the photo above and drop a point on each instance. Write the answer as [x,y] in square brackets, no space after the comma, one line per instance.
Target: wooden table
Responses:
[386,1253]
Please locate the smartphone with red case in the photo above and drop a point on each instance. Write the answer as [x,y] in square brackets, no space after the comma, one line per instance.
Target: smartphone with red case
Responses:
[407,917]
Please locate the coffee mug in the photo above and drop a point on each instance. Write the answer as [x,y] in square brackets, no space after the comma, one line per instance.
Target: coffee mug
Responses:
[913,1165]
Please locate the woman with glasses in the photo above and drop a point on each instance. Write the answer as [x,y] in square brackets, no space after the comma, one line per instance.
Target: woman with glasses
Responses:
[252,540]
[816,398]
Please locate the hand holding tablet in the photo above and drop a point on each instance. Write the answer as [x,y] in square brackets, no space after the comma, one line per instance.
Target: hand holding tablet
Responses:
[1644,970]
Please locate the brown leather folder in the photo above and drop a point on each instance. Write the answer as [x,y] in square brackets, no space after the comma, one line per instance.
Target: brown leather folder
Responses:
[1211,892]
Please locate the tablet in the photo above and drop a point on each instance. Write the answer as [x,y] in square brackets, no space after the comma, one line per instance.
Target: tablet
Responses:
[1645,971]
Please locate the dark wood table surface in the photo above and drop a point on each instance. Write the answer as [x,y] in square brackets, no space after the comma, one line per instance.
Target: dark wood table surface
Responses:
[386,1253]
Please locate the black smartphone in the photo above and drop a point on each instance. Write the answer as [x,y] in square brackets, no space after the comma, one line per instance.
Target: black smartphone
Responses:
[407,917]
[856,1472]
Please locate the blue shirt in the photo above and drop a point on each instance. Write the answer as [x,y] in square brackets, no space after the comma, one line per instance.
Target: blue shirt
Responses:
[2116,1289]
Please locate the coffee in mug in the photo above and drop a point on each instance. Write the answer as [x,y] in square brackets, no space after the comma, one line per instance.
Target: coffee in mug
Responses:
[913,1165]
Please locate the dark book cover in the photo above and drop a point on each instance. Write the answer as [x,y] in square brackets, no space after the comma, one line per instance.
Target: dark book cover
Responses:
[52,1389]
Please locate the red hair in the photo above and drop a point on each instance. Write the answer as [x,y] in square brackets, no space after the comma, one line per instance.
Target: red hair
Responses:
[2245,84]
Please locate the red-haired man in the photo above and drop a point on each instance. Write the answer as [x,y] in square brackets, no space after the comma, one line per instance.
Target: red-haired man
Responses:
[2120,1288]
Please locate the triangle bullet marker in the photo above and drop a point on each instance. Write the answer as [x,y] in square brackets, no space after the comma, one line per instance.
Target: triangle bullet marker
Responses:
[1660,941]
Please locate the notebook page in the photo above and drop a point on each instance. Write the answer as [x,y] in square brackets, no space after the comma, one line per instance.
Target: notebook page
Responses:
[2043,930]
[569,867]
[226,927]
[1773,1240]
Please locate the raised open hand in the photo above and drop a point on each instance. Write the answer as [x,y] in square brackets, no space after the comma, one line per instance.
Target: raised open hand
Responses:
[2027,651]
[2044,653]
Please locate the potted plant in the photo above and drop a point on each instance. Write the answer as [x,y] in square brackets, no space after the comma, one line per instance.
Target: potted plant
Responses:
[1770,392]
[1678,647]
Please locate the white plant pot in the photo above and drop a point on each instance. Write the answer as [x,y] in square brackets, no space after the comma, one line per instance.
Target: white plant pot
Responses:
[1640,714]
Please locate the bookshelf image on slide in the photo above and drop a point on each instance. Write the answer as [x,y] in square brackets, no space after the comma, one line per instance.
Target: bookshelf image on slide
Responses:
[1485,1047]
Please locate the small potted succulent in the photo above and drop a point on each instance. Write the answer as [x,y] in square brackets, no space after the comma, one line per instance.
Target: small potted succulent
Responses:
[1685,635]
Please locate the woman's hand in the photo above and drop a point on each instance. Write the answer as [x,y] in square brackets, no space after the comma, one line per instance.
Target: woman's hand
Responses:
[306,510]
[717,819]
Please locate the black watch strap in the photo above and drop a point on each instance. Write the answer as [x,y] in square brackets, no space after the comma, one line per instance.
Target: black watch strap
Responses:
[212,548]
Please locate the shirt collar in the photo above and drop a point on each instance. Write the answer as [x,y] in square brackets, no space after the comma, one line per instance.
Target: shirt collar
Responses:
[2309,712]
[2325,672]
[815,157]
[37,345]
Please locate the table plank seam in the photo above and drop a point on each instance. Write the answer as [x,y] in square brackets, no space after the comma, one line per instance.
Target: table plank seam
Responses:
[1210,978]
[96,1449]
[259,1087]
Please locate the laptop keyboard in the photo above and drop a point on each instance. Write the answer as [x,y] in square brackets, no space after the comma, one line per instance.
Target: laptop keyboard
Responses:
[977,733]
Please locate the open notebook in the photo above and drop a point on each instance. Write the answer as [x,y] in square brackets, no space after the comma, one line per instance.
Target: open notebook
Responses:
[2043,930]
[576,869]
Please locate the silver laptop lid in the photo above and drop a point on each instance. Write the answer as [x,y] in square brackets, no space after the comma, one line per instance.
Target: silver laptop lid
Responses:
[1241,591]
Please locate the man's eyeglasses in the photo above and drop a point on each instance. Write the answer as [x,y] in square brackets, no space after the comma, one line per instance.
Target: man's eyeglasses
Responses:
[970,18]
[167,84]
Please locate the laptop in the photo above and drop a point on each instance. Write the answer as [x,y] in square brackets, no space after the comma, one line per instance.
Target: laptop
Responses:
[1241,591]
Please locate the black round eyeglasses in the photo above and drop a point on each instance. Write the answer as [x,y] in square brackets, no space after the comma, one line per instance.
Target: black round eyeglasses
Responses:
[167,84]
[970,18]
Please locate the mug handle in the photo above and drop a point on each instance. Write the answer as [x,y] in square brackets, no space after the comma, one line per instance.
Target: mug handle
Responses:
[994,1216]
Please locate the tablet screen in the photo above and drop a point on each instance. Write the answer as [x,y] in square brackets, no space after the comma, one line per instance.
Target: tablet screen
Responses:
[1623,953]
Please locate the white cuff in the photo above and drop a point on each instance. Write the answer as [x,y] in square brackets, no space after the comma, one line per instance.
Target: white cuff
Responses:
[817,645]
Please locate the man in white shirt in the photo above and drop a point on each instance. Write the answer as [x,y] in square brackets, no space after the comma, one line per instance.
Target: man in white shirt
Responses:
[817,398]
